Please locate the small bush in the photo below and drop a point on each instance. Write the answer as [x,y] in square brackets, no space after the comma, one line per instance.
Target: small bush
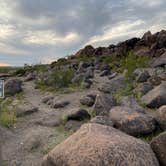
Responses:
[61,78]
[132,62]
[7,119]
[58,80]
[7,116]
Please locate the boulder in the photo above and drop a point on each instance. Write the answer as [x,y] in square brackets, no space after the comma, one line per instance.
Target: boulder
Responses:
[156,97]
[158,145]
[79,115]
[143,88]
[159,61]
[155,80]
[95,144]
[132,122]
[46,99]
[104,120]
[73,125]
[143,76]
[89,73]
[13,86]
[115,84]
[25,109]
[52,119]
[105,73]
[130,102]
[162,117]
[103,103]
[87,100]
[86,51]
[30,77]
[59,104]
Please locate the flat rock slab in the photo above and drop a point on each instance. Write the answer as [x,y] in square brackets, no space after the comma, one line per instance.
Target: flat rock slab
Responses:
[25,109]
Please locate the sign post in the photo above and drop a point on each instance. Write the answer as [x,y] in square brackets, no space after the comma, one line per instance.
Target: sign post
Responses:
[1,89]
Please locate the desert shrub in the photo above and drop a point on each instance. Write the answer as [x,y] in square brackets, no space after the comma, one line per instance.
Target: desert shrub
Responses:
[132,62]
[57,80]
[5,69]
[61,78]
[20,71]
[7,115]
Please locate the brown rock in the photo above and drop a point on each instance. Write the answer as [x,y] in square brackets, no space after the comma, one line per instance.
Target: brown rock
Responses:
[95,144]
[158,145]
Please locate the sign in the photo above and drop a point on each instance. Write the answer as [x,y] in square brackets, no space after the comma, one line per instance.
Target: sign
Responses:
[1,89]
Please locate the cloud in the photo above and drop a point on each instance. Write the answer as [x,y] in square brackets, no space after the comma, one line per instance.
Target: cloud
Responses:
[49,37]
[42,31]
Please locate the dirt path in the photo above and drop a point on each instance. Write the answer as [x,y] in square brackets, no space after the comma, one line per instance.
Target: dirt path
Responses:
[28,142]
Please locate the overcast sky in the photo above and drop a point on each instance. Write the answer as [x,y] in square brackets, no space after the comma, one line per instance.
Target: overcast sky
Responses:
[40,31]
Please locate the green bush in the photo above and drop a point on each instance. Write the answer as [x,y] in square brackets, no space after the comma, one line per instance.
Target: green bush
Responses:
[7,115]
[131,63]
[61,78]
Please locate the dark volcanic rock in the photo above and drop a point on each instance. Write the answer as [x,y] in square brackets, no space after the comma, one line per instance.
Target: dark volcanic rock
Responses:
[13,86]
[130,102]
[162,117]
[87,100]
[60,104]
[156,97]
[159,62]
[132,122]
[158,145]
[87,51]
[95,144]
[143,76]
[103,103]
[115,84]
[79,115]
[143,88]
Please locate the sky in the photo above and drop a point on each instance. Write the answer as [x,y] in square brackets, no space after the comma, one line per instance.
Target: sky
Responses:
[41,31]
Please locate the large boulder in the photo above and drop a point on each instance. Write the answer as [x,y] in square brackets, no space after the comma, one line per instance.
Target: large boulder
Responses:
[95,144]
[129,101]
[103,103]
[115,84]
[131,122]
[158,145]
[156,97]
[13,86]
[159,62]
[86,51]
[162,117]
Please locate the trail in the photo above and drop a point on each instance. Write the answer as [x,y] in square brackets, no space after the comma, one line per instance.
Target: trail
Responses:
[26,133]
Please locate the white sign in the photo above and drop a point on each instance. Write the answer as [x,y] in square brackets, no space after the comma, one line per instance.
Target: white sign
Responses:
[1,89]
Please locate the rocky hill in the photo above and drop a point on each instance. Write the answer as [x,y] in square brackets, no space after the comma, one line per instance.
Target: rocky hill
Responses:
[100,107]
